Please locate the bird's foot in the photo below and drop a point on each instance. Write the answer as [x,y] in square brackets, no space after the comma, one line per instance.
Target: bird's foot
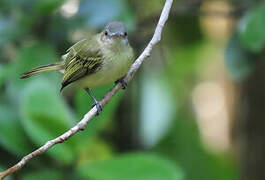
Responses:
[98,106]
[96,103]
[123,83]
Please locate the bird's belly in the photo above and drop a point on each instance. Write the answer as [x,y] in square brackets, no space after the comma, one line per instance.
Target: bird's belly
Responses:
[109,72]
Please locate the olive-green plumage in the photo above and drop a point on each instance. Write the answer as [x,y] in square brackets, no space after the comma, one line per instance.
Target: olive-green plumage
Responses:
[94,61]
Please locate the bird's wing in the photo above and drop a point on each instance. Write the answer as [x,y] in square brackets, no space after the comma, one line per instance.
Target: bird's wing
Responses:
[84,58]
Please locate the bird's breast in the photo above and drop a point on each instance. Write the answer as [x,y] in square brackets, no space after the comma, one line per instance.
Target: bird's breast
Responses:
[114,66]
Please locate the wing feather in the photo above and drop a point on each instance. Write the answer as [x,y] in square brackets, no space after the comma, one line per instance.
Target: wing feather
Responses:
[82,60]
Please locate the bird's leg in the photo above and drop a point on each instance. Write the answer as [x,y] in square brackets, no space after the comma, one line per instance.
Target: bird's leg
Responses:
[123,83]
[96,103]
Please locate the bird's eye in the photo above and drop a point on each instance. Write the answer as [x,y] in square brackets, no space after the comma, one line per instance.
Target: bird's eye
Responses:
[106,33]
[125,34]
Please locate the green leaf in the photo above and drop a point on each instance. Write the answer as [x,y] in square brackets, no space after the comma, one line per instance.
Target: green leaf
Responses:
[45,116]
[12,134]
[140,166]
[47,6]
[183,145]
[29,57]
[239,61]
[10,30]
[251,28]
[2,74]
[93,150]
[45,174]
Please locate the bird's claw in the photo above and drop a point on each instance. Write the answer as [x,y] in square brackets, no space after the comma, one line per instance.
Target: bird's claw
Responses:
[123,83]
[98,106]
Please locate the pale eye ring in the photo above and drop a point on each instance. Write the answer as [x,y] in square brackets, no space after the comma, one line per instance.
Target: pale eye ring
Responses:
[106,33]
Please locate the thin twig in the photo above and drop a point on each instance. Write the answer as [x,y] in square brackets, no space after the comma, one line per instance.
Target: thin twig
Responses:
[88,116]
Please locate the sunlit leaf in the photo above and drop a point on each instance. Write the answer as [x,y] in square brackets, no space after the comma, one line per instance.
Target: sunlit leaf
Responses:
[138,166]
[160,115]
[45,116]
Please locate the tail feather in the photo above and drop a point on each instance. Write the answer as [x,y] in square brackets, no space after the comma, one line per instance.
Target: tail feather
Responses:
[44,68]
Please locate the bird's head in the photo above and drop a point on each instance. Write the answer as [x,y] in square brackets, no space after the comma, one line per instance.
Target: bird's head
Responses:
[115,33]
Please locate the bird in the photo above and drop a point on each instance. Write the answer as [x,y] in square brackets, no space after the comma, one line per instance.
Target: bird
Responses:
[95,61]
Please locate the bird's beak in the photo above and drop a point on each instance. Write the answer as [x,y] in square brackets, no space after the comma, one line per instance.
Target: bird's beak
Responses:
[119,35]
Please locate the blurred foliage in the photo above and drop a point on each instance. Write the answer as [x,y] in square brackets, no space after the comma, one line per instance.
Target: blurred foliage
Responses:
[37,32]
[43,174]
[246,43]
[183,145]
[1,169]
[239,60]
[131,166]
[15,141]
[251,28]
[42,121]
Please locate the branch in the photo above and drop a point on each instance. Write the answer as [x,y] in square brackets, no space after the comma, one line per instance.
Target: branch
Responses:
[88,116]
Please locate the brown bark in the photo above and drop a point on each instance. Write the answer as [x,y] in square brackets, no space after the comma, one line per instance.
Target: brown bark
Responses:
[250,125]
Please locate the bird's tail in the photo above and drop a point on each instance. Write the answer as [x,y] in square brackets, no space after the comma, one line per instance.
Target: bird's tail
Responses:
[45,68]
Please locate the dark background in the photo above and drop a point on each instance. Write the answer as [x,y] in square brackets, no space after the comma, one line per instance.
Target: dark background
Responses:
[194,111]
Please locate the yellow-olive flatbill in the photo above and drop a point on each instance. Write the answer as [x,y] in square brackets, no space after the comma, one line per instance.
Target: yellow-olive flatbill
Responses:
[95,61]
